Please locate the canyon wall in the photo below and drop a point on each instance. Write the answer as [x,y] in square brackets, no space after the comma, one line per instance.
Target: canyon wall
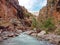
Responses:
[52,9]
[12,14]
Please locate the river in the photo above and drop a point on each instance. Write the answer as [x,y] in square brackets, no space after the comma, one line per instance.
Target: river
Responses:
[24,39]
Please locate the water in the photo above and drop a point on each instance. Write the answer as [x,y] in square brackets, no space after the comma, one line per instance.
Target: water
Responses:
[24,39]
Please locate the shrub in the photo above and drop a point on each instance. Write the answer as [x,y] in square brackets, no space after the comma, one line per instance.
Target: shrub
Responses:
[34,22]
[49,24]
[27,15]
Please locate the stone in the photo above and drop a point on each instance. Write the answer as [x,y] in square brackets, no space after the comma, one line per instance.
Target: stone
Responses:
[5,37]
[1,39]
[41,33]
[34,34]
[0,31]
[29,32]
[11,34]
[5,33]
[18,31]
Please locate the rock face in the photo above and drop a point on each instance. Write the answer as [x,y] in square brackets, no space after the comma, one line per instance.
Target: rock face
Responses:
[52,9]
[42,14]
[13,17]
[11,11]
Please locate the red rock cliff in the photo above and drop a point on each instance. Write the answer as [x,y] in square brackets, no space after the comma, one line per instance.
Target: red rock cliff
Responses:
[52,9]
[11,12]
[10,9]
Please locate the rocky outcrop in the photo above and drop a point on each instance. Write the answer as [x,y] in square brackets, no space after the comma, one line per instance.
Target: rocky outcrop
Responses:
[10,10]
[42,14]
[52,9]
[13,18]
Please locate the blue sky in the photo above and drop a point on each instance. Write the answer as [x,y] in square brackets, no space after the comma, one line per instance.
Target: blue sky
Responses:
[33,5]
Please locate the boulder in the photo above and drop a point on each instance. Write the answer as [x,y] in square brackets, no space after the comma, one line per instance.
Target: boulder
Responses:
[29,32]
[34,34]
[11,34]
[18,31]
[1,39]
[41,33]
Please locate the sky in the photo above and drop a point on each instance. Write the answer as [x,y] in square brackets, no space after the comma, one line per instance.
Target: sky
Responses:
[33,5]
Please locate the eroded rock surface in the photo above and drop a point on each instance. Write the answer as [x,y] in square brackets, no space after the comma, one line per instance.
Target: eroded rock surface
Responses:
[12,18]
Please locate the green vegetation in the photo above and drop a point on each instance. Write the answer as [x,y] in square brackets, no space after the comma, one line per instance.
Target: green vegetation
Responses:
[58,22]
[49,23]
[34,22]
[28,15]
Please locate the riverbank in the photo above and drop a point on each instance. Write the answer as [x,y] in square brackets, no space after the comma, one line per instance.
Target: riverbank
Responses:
[9,34]
[54,39]
[24,39]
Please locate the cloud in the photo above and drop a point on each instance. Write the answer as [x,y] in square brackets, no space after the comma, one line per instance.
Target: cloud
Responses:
[33,5]
[43,3]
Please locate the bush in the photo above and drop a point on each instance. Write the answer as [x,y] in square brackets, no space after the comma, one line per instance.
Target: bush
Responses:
[49,24]
[34,22]
[27,15]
